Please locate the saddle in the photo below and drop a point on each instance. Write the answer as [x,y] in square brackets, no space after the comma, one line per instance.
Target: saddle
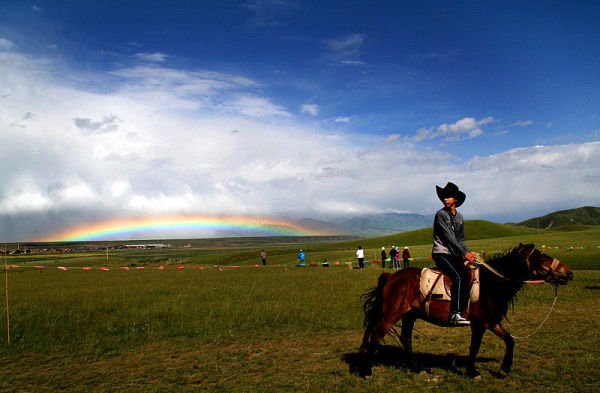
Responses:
[435,285]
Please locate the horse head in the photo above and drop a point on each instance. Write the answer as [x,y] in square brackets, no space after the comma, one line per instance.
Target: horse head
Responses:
[545,267]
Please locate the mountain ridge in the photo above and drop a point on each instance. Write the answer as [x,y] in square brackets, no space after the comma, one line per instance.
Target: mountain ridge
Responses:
[382,224]
[586,215]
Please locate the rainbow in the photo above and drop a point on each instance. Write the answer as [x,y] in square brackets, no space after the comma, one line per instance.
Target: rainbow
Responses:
[169,227]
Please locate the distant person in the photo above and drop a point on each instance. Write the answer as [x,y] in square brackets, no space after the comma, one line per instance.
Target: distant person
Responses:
[405,257]
[360,253]
[301,257]
[383,257]
[449,249]
[393,255]
[263,256]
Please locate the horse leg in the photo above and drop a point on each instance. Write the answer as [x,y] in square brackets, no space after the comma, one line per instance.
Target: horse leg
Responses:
[371,340]
[477,331]
[408,323]
[510,344]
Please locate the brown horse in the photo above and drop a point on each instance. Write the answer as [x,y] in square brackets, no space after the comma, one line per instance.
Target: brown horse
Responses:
[397,297]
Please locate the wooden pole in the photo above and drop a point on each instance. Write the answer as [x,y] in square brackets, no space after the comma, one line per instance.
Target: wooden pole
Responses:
[6,281]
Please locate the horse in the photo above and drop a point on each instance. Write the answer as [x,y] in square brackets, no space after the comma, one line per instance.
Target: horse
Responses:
[397,297]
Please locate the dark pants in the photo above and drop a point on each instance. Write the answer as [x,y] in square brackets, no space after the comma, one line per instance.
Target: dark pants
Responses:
[264,261]
[405,260]
[454,267]
[361,262]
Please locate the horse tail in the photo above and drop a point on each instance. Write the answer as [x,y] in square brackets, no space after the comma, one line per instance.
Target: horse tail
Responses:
[373,305]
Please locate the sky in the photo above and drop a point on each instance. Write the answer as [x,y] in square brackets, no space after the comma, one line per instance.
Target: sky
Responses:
[294,109]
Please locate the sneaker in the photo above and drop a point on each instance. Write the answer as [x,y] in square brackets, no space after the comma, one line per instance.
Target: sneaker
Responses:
[457,319]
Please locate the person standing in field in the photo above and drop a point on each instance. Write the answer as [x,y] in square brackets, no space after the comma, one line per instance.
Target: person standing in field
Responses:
[393,255]
[405,257]
[450,251]
[383,257]
[360,253]
[301,257]
[263,256]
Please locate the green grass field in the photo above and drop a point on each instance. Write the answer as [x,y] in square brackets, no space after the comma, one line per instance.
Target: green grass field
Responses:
[278,328]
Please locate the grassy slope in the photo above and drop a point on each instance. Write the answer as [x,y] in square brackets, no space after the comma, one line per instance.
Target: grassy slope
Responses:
[587,215]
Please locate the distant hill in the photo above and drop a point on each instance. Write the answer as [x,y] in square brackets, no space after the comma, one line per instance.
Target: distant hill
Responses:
[369,225]
[394,224]
[587,215]
[475,230]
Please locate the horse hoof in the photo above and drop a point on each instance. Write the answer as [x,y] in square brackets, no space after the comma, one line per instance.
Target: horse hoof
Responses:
[477,378]
[502,374]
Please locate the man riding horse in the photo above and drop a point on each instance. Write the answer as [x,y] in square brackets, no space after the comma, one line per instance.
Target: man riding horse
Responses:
[450,252]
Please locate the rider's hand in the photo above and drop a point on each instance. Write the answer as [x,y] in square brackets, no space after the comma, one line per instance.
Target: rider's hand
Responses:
[471,256]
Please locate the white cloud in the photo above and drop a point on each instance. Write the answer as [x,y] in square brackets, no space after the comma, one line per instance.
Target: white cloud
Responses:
[529,178]
[255,106]
[346,49]
[464,128]
[169,141]
[5,44]
[311,109]
[156,57]
[342,119]
[522,123]
[24,201]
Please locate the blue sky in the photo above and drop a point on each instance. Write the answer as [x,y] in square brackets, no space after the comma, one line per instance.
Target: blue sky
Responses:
[294,108]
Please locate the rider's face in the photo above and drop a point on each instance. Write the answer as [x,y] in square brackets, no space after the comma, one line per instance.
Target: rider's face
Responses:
[449,202]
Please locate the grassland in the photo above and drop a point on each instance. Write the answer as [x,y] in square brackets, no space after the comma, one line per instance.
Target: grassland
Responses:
[277,328]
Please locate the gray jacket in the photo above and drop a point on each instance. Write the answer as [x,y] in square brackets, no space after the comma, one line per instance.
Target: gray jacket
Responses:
[449,233]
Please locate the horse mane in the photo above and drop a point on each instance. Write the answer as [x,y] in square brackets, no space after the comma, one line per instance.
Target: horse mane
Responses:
[512,265]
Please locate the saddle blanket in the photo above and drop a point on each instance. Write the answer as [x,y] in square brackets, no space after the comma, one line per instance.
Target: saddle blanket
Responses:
[432,285]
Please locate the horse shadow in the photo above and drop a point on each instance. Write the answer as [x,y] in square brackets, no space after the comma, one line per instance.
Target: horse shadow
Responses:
[398,358]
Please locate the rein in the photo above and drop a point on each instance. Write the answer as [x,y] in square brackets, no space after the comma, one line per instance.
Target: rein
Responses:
[479,260]
[545,319]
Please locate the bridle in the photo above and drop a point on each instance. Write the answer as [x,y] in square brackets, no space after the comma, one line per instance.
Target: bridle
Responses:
[550,270]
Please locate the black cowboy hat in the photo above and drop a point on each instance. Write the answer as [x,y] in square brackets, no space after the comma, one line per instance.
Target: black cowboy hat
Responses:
[451,190]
